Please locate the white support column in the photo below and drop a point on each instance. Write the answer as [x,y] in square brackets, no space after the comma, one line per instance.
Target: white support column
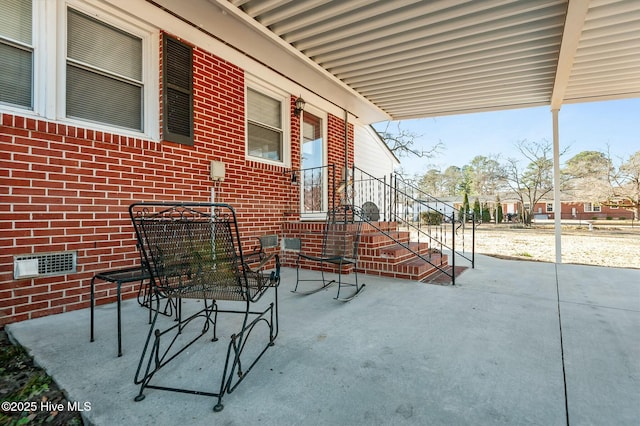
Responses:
[557,205]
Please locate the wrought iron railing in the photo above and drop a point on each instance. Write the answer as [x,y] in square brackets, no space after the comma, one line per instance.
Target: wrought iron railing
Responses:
[427,218]
[391,199]
[307,197]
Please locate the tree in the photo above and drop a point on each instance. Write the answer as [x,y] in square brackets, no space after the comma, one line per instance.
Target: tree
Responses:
[499,214]
[533,182]
[465,184]
[432,182]
[484,173]
[625,189]
[402,142]
[476,209]
[594,176]
[588,175]
[464,210]
[451,179]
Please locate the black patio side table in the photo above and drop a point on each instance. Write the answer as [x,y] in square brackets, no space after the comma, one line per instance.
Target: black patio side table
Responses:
[118,276]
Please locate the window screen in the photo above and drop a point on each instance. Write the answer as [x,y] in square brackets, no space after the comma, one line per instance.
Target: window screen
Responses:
[177,92]
[264,126]
[104,73]
[16,53]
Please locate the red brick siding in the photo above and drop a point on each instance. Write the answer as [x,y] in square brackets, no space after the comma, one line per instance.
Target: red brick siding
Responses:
[68,188]
[335,148]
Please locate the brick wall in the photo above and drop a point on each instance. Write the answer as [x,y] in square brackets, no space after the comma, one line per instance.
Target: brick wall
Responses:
[68,188]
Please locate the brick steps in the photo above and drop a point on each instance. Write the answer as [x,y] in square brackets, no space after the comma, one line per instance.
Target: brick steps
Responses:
[380,255]
[391,255]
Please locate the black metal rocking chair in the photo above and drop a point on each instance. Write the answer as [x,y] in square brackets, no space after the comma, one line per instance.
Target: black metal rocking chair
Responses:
[339,254]
[193,252]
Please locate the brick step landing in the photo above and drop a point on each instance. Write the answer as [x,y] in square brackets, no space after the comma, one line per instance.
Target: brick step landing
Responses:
[413,269]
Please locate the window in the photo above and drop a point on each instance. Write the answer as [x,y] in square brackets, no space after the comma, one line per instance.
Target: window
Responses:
[177,92]
[265,127]
[549,207]
[74,63]
[614,205]
[592,207]
[16,53]
[104,73]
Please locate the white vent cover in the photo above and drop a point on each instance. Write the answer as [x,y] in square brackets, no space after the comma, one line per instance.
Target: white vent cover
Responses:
[44,264]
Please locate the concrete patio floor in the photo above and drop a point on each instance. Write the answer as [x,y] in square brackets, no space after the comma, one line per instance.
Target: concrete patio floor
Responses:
[494,349]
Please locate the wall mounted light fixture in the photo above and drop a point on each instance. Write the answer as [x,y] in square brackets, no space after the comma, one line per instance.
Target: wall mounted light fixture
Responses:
[300,103]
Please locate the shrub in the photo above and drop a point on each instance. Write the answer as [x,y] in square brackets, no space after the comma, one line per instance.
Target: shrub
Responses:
[431,218]
[486,215]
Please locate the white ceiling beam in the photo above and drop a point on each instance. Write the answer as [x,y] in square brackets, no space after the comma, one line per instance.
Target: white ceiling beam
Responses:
[574,22]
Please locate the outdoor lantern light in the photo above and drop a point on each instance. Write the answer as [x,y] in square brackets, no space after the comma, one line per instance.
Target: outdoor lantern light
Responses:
[300,103]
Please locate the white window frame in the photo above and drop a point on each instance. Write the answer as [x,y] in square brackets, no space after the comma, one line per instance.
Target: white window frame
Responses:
[49,40]
[324,116]
[549,207]
[283,98]
[150,67]
[38,38]
[592,207]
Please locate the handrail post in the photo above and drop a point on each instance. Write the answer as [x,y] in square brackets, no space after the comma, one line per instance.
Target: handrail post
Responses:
[453,249]
[473,245]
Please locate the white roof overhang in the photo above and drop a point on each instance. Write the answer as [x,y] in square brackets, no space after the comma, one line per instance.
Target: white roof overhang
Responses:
[404,59]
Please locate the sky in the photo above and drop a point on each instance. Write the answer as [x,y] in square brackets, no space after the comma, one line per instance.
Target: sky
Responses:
[582,127]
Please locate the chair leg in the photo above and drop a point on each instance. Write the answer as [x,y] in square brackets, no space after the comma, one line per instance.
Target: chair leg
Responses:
[325,283]
[358,287]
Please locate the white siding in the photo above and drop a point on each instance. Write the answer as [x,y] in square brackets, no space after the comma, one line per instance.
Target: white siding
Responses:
[371,154]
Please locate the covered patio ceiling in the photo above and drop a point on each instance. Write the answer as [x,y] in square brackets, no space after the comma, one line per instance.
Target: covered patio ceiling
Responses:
[406,59]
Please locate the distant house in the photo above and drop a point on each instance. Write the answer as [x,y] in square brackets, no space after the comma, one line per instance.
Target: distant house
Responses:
[106,103]
[571,209]
[582,210]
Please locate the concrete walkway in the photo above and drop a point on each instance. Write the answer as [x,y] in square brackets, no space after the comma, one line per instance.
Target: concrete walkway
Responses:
[498,348]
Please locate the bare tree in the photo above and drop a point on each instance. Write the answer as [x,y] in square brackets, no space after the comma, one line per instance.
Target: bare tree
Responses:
[402,142]
[534,181]
[625,188]
[452,178]
[485,175]
[595,176]
[587,175]
[433,183]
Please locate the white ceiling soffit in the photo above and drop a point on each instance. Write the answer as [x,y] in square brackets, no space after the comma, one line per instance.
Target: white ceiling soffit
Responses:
[414,59]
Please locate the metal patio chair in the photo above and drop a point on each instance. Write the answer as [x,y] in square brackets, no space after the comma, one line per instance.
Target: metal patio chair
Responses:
[193,252]
[339,254]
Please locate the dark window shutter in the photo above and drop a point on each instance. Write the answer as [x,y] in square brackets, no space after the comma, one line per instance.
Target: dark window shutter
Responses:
[177,92]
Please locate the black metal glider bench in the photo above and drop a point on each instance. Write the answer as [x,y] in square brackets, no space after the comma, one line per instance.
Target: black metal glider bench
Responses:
[193,251]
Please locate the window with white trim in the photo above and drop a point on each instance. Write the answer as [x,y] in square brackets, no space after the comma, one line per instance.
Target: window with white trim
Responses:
[266,125]
[549,207]
[592,207]
[72,62]
[104,73]
[16,53]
